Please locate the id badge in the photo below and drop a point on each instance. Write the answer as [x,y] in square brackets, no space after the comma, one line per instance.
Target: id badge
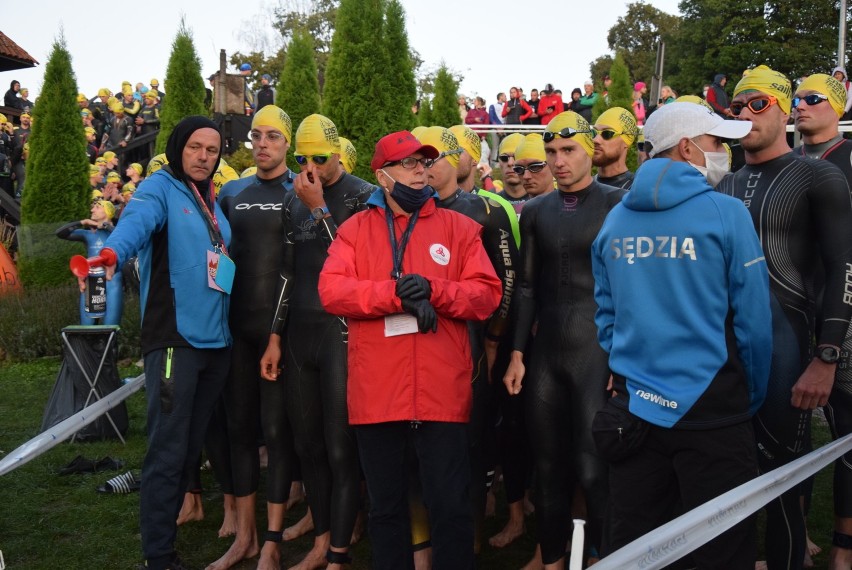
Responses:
[220,271]
[399,324]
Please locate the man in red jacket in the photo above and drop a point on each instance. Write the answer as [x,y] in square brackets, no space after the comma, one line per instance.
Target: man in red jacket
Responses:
[407,296]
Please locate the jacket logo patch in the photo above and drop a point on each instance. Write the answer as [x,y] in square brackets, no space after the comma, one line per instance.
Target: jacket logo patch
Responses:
[186,210]
[440,254]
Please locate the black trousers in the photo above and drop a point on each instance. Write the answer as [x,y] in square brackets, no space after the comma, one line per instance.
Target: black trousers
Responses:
[674,472]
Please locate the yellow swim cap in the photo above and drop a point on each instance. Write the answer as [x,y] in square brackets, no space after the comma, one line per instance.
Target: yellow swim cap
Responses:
[109,155]
[90,131]
[103,92]
[348,154]
[621,120]
[417,131]
[108,207]
[768,81]
[275,117]
[531,148]
[113,177]
[137,167]
[468,140]
[97,195]
[81,98]
[128,188]
[92,171]
[250,171]
[828,86]
[100,160]
[116,107]
[694,99]
[156,164]
[443,140]
[510,143]
[317,135]
[571,120]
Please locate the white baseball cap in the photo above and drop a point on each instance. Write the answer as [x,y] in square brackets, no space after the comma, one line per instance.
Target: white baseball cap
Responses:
[675,121]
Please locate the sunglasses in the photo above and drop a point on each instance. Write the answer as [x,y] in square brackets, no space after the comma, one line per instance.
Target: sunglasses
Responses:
[534,168]
[505,157]
[608,134]
[566,133]
[756,105]
[320,159]
[811,100]
[410,163]
[443,154]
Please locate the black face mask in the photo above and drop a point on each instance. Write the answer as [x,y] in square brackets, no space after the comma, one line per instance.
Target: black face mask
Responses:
[409,199]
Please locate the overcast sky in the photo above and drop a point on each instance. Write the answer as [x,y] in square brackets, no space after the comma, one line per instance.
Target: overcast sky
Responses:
[494,44]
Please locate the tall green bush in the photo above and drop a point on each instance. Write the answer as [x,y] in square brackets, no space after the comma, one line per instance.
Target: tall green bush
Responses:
[400,70]
[445,107]
[424,117]
[357,93]
[57,176]
[298,87]
[184,85]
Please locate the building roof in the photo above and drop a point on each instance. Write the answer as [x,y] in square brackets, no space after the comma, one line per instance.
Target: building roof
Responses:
[12,56]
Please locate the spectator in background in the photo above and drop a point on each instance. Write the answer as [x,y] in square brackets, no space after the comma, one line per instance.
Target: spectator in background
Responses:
[533,101]
[667,95]
[266,94]
[11,99]
[516,109]
[245,71]
[588,100]
[155,87]
[574,104]
[495,111]
[839,74]
[640,105]
[478,115]
[550,104]
[718,97]
[26,104]
[463,107]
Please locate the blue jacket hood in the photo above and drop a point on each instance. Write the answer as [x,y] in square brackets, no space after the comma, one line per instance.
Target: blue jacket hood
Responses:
[662,183]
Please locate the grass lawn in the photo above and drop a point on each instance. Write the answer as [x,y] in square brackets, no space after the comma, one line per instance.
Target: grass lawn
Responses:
[50,522]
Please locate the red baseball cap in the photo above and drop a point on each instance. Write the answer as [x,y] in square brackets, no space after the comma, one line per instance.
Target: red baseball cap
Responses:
[397,146]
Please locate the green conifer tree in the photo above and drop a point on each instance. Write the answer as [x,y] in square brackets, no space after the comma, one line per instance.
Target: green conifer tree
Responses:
[400,70]
[425,114]
[184,85]
[298,87]
[357,94]
[445,107]
[57,188]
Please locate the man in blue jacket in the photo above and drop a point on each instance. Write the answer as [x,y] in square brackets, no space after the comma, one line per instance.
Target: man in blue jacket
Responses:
[683,311]
[181,237]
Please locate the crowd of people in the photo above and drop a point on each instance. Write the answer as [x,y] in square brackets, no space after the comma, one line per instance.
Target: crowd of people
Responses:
[580,329]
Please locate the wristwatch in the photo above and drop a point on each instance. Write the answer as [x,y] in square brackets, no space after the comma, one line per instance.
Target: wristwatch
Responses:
[319,213]
[828,353]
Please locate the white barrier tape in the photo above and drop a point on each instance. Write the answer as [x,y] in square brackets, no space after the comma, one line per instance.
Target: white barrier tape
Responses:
[68,427]
[689,531]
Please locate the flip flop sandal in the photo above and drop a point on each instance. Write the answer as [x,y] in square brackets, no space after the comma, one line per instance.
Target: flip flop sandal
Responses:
[121,484]
[78,465]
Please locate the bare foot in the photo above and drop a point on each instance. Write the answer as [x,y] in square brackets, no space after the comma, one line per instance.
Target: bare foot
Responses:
[535,563]
[512,531]
[313,560]
[304,526]
[240,550]
[813,549]
[191,510]
[229,523]
[359,528]
[297,494]
[270,557]
[529,507]
[760,565]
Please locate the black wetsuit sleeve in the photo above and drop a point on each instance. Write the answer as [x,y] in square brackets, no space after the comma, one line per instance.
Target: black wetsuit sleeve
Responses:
[66,232]
[524,302]
[500,246]
[829,198]
[285,278]
[328,230]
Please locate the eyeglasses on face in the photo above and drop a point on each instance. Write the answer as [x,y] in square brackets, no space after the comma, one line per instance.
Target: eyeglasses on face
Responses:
[566,133]
[272,136]
[505,157]
[410,163]
[319,159]
[756,105]
[811,100]
[534,167]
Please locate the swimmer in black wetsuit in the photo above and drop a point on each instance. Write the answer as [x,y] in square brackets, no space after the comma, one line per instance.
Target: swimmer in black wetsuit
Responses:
[513,187]
[499,243]
[817,108]
[315,347]
[253,208]
[567,379]
[803,214]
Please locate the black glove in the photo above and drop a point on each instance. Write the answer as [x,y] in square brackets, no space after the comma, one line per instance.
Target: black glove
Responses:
[413,287]
[424,312]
